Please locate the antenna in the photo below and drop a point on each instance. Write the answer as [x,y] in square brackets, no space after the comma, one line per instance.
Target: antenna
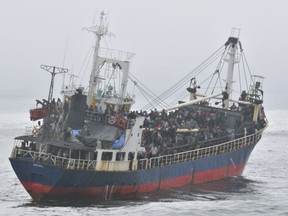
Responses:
[53,70]
[101,29]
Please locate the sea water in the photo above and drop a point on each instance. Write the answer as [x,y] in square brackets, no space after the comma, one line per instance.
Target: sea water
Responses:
[262,190]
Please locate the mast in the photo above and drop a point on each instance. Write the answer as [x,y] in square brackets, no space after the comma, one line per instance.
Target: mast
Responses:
[232,45]
[100,31]
[53,70]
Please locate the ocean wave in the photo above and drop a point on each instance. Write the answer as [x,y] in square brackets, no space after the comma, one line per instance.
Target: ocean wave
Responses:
[283,132]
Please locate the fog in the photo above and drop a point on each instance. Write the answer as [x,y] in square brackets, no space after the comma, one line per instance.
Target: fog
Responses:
[169,38]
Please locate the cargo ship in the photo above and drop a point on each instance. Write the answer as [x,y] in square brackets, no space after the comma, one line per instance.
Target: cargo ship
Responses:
[92,144]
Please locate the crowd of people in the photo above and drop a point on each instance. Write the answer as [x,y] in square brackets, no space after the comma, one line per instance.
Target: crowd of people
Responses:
[180,129]
[168,131]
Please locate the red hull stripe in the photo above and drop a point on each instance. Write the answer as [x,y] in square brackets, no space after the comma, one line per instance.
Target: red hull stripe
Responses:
[38,191]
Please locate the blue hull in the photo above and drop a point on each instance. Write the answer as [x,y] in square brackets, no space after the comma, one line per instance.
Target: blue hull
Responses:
[44,181]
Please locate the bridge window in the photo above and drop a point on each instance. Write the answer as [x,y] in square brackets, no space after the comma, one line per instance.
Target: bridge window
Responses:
[107,156]
[120,156]
[131,155]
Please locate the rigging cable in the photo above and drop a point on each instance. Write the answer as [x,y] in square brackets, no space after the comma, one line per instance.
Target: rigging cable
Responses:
[82,66]
[151,95]
[182,81]
[246,63]
[218,71]
[203,67]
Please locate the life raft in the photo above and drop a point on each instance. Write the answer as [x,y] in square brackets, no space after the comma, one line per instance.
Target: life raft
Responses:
[38,113]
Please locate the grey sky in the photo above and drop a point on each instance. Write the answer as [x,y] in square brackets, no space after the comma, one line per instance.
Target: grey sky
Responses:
[170,38]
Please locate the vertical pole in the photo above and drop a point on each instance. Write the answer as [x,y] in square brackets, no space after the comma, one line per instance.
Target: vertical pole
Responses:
[94,73]
[50,95]
[229,80]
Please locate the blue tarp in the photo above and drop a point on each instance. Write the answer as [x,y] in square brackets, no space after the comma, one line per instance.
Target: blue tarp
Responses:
[75,132]
[119,143]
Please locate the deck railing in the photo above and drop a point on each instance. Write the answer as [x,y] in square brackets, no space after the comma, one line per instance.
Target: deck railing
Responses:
[53,160]
[82,164]
[199,153]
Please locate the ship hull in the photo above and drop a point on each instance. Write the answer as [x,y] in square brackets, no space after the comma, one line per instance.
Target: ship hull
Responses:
[50,182]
